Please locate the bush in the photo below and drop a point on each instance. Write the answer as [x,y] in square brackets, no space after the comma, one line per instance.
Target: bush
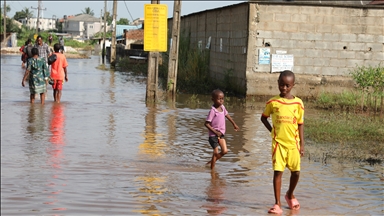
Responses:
[370,80]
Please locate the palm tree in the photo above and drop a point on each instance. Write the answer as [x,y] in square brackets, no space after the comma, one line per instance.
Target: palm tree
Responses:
[28,13]
[23,14]
[88,10]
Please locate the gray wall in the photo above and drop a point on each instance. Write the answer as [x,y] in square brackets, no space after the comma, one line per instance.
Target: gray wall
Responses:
[326,41]
[229,24]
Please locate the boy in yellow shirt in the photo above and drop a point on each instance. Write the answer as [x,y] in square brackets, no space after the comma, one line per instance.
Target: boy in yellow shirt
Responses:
[287,112]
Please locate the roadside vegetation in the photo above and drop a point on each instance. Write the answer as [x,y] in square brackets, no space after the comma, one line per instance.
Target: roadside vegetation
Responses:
[350,125]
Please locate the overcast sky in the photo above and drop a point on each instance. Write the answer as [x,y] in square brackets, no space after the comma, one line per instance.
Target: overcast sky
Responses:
[125,9]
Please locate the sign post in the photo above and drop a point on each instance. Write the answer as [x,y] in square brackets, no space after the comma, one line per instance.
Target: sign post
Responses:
[155,27]
[155,41]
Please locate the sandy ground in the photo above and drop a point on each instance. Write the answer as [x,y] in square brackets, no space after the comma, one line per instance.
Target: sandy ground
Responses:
[71,53]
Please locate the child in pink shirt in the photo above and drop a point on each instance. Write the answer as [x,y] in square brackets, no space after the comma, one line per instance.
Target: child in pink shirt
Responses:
[215,122]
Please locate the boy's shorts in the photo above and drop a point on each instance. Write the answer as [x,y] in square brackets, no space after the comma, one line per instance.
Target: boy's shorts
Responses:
[57,85]
[285,157]
[214,141]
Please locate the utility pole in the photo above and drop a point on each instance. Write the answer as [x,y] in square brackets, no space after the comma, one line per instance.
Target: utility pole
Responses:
[39,8]
[101,24]
[153,71]
[174,50]
[5,22]
[105,30]
[113,45]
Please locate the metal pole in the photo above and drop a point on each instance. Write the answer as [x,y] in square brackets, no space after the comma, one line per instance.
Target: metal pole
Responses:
[174,50]
[113,45]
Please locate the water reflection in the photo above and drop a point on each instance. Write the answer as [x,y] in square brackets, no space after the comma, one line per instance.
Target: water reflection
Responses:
[55,155]
[215,195]
[36,122]
[151,182]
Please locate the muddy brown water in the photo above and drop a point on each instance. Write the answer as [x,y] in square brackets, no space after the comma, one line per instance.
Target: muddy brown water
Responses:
[103,151]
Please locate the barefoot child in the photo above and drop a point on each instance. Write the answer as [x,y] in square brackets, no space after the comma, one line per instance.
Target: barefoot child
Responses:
[58,73]
[215,122]
[287,134]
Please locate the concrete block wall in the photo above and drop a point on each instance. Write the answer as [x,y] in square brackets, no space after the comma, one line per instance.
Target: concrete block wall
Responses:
[325,41]
[228,29]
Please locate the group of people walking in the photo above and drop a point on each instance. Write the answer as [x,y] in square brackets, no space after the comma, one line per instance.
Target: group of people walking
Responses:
[40,74]
[26,49]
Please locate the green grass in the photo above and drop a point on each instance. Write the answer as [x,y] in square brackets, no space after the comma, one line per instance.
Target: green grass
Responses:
[350,101]
[347,135]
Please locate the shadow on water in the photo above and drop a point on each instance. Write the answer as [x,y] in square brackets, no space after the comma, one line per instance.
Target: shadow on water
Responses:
[103,151]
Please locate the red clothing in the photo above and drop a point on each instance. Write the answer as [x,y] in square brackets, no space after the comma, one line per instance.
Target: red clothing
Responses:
[57,68]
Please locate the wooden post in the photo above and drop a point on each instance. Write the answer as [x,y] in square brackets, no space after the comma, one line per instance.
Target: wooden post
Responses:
[174,50]
[5,23]
[105,31]
[153,71]
[113,43]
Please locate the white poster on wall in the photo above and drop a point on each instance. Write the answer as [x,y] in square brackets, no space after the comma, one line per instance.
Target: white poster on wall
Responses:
[281,63]
[264,56]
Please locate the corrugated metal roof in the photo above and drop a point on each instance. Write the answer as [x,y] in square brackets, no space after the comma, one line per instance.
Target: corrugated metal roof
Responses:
[120,28]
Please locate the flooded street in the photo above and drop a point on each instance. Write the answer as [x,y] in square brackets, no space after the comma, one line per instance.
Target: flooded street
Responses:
[102,151]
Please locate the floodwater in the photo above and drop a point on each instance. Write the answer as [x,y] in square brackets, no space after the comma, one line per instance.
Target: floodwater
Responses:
[103,151]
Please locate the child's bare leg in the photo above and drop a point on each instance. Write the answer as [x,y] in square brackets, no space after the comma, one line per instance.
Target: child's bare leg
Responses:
[292,183]
[223,147]
[214,157]
[32,98]
[277,186]
[58,97]
[42,98]
[55,95]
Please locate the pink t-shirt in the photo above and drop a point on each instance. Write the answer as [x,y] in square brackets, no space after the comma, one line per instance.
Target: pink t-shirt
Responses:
[217,120]
[57,68]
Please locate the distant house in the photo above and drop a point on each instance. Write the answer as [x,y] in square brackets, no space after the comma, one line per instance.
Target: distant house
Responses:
[135,39]
[45,23]
[82,26]
[120,29]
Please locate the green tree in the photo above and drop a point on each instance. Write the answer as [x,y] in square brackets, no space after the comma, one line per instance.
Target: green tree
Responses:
[8,9]
[123,21]
[109,18]
[25,13]
[88,10]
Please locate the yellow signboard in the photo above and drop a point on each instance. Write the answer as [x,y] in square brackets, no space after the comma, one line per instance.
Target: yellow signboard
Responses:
[155,27]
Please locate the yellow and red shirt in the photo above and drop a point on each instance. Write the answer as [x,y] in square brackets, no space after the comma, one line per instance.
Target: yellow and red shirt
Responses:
[286,115]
